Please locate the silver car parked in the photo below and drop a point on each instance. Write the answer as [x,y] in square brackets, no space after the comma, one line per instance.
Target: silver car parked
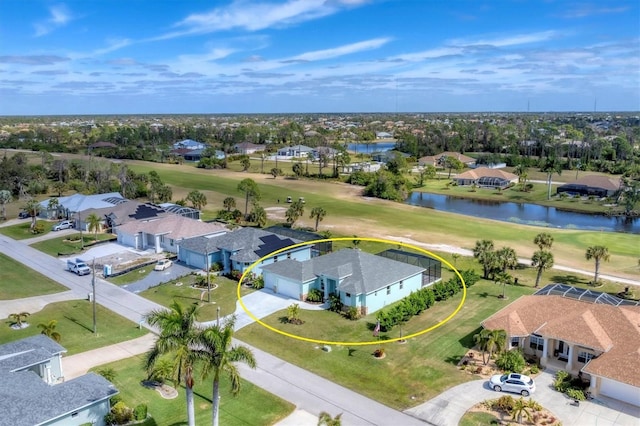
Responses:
[516,383]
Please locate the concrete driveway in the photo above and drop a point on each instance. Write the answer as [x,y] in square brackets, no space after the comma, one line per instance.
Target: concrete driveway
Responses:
[447,408]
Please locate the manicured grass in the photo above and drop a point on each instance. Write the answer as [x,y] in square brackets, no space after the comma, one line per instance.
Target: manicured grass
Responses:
[477,418]
[22,231]
[75,325]
[224,296]
[253,406]
[131,277]
[69,244]
[411,373]
[18,281]
[348,215]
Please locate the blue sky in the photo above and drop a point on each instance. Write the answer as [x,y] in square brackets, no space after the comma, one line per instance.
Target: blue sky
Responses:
[272,56]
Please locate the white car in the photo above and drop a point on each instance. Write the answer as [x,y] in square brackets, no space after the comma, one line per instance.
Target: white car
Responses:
[162,264]
[516,383]
[65,224]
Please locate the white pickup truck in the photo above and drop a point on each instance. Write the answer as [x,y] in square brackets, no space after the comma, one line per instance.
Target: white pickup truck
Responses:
[78,266]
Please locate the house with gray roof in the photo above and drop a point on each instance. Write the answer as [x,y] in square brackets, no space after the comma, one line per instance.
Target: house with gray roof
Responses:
[33,390]
[239,249]
[362,280]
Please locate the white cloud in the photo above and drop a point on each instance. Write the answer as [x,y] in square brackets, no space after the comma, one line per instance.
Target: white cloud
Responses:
[60,16]
[508,40]
[341,50]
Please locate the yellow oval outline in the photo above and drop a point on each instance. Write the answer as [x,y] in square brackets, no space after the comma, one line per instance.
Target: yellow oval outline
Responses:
[330,342]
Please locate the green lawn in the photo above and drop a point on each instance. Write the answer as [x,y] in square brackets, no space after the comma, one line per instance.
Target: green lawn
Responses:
[75,324]
[223,296]
[411,373]
[478,418]
[69,244]
[19,282]
[253,406]
[381,218]
[22,231]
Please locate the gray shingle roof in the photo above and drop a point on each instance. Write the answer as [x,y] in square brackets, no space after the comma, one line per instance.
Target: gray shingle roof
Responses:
[360,272]
[28,351]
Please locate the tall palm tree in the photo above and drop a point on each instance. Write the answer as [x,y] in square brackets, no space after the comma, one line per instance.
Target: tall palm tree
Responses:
[32,207]
[506,257]
[229,203]
[293,213]
[49,330]
[481,340]
[551,166]
[318,213]
[5,197]
[251,192]
[178,336]
[521,172]
[483,251]
[597,253]
[503,278]
[543,240]
[197,199]
[52,206]
[94,224]
[220,357]
[259,215]
[543,260]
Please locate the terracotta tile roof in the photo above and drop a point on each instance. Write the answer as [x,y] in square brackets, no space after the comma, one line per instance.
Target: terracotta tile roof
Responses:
[486,172]
[433,159]
[597,181]
[614,330]
[176,227]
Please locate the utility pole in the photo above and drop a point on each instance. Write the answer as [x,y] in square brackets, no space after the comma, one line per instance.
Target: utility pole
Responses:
[93,286]
[208,279]
[80,227]
[218,317]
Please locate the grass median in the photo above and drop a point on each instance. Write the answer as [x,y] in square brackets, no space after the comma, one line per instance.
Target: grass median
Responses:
[70,244]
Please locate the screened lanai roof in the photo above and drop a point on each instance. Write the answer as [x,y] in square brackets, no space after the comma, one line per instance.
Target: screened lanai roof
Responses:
[584,295]
[181,210]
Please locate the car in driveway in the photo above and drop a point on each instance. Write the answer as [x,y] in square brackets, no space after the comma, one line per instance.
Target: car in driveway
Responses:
[65,224]
[516,383]
[162,264]
[23,215]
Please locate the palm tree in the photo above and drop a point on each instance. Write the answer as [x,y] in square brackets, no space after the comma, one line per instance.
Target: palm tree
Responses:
[504,279]
[94,224]
[219,357]
[506,257]
[18,318]
[598,253]
[251,192]
[259,215]
[49,330]
[497,341]
[543,240]
[325,419]
[178,335]
[293,213]
[551,166]
[543,260]
[481,340]
[521,172]
[5,197]
[52,206]
[521,408]
[319,213]
[32,207]
[483,251]
[229,203]
[197,199]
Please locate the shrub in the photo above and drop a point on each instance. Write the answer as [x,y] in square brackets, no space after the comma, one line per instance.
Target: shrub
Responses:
[38,229]
[505,404]
[109,419]
[335,305]
[115,399]
[107,373]
[121,413]
[258,283]
[140,412]
[512,360]
[576,394]
[378,352]
[562,381]
[535,369]
[314,295]
[353,313]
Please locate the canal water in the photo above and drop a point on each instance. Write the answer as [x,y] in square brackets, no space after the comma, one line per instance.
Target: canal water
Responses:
[528,214]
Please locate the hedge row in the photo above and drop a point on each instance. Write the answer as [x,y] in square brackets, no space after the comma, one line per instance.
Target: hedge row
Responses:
[423,299]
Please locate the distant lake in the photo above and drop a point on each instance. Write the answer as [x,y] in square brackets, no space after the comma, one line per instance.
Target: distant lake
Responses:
[524,213]
[362,148]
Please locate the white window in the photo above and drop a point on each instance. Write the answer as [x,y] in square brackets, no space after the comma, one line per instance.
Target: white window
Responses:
[515,342]
[536,342]
[585,357]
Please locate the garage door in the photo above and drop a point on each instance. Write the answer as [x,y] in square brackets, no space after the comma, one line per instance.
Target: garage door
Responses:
[620,391]
[287,288]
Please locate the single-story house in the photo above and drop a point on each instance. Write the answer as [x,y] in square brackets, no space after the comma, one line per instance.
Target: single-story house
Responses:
[193,155]
[365,166]
[239,249]
[362,280]
[248,148]
[485,177]
[69,207]
[296,151]
[33,390]
[127,211]
[164,233]
[300,235]
[383,135]
[439,160]
[189,144]
[579,331]
[600,186]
